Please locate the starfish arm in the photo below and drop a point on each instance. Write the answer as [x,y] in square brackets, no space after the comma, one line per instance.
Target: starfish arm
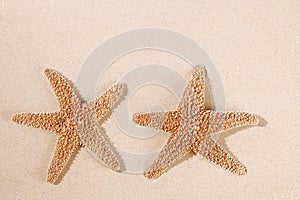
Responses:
[99,148]
[105,102]
[63,91]
[222,121]
[213,152]
[166,121]
[66,144]
[195,91]
[176,148]
[46,121]
[192,102]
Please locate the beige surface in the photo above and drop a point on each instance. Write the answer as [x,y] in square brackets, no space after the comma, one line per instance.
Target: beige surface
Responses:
[254,45]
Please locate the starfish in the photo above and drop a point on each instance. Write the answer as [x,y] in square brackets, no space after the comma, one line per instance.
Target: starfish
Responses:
[75,124]
[192,127]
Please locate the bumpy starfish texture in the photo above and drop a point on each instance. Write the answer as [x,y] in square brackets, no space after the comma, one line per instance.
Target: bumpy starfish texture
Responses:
[191,127]
[75,124]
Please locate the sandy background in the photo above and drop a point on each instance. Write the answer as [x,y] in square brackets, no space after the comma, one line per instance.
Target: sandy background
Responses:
[254,45]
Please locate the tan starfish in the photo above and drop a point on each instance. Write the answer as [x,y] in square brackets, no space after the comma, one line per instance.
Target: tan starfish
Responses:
[75,124]
[191,127]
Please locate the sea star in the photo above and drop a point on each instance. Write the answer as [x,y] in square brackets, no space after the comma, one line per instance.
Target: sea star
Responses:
[191,127]
[75,124]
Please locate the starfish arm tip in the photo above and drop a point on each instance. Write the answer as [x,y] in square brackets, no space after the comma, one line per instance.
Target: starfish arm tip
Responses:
[15,117]
[115,166]
[50,73]
[135,117]
[255,120]
[238,169]
[252,119]
[119,86]
[153,174]
[47,71]
[201,69]
[117,169]
[51,179]
[20,118]
[140,119]
[117,89]
[242,170]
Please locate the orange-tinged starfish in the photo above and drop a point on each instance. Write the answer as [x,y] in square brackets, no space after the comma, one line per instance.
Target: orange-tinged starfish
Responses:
[191,127]
[75,124]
